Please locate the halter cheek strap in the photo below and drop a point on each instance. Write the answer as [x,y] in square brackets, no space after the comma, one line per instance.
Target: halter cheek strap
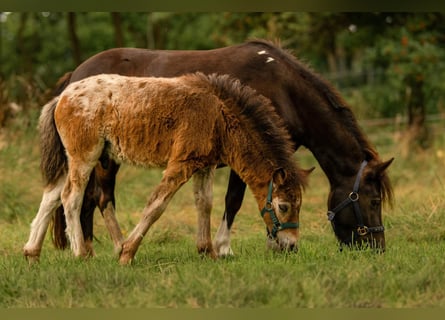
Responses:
[277,225]
[353,198]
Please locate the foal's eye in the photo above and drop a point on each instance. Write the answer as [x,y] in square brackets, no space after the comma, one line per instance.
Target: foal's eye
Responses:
[283,208]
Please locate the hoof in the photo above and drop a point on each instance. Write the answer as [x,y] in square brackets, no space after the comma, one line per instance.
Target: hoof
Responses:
[208,252]
[89,247]
[32,256]
[125,259]
[126,256]
[225,252]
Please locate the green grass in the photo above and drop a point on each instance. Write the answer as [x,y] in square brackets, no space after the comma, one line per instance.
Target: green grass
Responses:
[168,272]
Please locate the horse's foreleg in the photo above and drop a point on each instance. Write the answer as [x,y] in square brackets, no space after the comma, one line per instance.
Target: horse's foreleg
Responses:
[156,205]
[106,181]
[203,192]
[39,226]
[233,201]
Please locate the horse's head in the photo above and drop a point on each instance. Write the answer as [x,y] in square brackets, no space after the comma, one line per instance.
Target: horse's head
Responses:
[355,206]
[281,212]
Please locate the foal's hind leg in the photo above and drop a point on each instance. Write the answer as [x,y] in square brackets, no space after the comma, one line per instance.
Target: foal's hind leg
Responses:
[39,226]
[234,199]
[203,192]
[72,197]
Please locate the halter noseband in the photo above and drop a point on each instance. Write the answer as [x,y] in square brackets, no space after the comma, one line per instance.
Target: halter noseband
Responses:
[353,197]
[277,225]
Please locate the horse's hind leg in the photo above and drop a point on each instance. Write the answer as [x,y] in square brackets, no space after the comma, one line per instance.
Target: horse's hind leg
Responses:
[106,181]
[203,192]
[39,226]
[234,199]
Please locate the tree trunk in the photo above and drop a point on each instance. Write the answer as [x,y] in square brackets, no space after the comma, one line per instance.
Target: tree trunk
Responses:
[150,32]
[75,45]
[21,48]
[117,25]
[417,135]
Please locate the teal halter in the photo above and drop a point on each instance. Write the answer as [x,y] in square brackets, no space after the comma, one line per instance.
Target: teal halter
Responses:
[277,225]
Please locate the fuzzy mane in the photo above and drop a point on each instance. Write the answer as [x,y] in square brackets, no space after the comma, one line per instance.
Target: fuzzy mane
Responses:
[334,99]
[256,112]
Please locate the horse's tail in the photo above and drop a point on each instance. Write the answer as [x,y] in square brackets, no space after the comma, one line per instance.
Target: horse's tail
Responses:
[53,165]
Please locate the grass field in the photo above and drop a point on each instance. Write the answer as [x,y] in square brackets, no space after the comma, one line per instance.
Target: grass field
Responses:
[169,273]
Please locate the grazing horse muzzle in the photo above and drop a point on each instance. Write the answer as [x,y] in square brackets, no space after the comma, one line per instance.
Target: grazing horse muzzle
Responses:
[362,231]
[275,240]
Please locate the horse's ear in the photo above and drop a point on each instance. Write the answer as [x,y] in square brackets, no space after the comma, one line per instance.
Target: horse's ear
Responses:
[379,169]
[278,176]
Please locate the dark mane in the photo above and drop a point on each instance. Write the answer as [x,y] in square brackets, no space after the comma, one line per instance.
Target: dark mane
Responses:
[257,112]
[333,99]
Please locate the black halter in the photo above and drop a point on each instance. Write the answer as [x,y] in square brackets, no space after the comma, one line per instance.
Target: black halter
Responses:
[277,225]
[353,197]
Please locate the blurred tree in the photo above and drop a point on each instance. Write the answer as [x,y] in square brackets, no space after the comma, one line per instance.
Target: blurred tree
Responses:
[72,33]
[412,50]
[118,33]
[395,60]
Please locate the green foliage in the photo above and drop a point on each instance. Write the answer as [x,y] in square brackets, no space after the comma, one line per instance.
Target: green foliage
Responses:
[408,55]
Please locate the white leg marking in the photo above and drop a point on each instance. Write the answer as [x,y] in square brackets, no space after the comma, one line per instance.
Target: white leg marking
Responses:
[39,226]
[222,240]
[262,52]
[269,59]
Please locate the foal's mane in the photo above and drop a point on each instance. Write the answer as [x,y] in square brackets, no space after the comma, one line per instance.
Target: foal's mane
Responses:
[258,114]
[333,99]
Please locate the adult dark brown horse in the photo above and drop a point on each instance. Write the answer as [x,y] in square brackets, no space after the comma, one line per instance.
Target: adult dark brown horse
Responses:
[187,125]
[315,114]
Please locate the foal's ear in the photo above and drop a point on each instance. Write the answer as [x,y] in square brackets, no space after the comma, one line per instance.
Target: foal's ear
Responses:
[278,176]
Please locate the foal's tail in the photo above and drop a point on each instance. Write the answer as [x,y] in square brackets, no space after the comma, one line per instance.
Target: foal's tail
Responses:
[49,137]
[53,162]
[53,165]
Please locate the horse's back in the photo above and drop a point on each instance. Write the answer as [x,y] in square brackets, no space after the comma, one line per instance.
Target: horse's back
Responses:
[244,61]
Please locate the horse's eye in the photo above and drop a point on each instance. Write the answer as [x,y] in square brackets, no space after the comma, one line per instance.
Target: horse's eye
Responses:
[283,208]
[375,203]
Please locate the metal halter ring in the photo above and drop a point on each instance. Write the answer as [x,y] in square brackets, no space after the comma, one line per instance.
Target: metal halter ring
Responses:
[353,196]
[362,231]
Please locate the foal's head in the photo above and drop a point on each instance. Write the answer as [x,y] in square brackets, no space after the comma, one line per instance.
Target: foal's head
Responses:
[281,212]
[355,208]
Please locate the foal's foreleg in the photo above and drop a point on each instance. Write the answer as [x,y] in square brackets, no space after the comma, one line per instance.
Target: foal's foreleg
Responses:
[203,192]
[39,226]
[156,205]
[233,201]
